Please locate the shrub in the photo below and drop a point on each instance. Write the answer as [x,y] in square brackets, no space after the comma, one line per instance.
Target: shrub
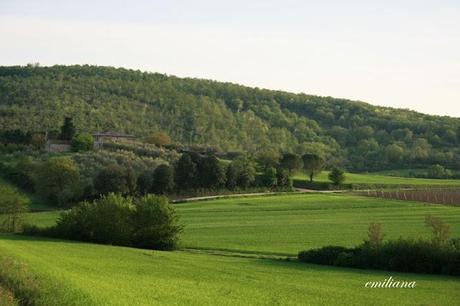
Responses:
[403,255]
[82,142]
[323,256]
[155,223]
[269,178]
[12,209]
[106,221]
[113,219]
[145,182]
[163,179]
[439,229]
[58,180]
[115,178]
[337,176]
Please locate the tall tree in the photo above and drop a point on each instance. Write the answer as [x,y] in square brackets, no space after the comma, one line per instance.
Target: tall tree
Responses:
[291,162]
[163,179]
[186,175]
[67,129]
[312,164]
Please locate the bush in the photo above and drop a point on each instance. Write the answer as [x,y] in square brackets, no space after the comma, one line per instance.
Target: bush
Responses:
[113,219]
[402,255]
[155,223]
[323,256]
[337,176]
[58,180]
[82,142]
[115,178]
[12,209]
[106,221]
[163,179]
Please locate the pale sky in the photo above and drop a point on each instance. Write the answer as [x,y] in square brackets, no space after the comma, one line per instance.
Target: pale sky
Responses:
[394,53]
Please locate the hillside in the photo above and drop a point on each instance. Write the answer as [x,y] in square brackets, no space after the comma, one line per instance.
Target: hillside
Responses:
[226,116]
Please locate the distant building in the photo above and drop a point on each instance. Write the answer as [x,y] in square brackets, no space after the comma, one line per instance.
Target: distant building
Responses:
[104,137]
[58,146]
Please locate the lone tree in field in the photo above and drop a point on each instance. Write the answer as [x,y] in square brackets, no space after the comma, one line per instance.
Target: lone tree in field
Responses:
[312,164]
[337,176]
[13,207]
[439,228]
[374,235]
[67,129]
[290,162]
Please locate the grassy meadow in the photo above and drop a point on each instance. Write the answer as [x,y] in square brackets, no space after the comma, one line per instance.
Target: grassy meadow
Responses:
[286,224]
[381,179]
[107,275]
[228,256]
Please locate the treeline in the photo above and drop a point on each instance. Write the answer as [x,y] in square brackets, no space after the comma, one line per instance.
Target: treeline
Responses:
[226,116]
[66,180]
[440,255]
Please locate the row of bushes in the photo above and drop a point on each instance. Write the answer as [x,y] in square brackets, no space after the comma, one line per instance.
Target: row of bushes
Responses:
[437,256]
[402,255]
[149,222]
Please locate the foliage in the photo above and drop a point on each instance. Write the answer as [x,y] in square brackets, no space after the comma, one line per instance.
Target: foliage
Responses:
[82,142]
[374,235]
[283,179]
[290,162]
[245,171]
[439,229]
[163,179]
[337,176]
[438,172]
[223,115]
[67,129]
[404,255]
[160,139]
[155,224]
[150,223]
[58,180]
[12,209]
[269,177]
[185,172]
[312,164]
[106,221]
[145,182]
[115,178]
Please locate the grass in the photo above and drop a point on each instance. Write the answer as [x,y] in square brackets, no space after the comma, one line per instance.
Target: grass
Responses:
[375,179]
[107,275]
[286,224]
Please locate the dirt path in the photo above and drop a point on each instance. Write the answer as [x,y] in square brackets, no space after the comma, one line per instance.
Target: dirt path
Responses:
[239,195]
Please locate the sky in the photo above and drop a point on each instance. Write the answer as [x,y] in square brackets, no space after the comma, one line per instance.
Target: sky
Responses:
[402,54]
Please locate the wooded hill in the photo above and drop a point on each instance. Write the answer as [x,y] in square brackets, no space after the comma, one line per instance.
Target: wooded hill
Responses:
[226,116]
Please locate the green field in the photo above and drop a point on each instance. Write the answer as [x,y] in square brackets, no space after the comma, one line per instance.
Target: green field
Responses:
[289,223]
[212,268]
[106,275]
[376,179]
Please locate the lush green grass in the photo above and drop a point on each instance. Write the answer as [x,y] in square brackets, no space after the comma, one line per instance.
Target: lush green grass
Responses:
[407,172]
[374,179]
[290,223]
[107,275]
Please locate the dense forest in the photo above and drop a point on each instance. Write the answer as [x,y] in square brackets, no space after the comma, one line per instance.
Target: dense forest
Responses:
[225,116]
